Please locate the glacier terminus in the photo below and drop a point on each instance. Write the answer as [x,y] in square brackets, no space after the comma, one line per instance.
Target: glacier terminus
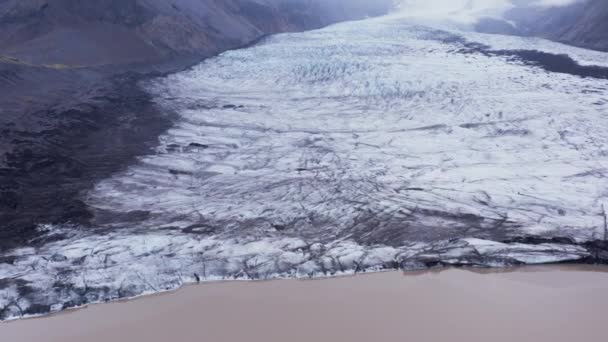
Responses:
[366,145]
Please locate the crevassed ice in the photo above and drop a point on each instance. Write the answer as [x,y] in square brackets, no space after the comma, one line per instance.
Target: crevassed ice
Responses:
[360,146]
[373,131]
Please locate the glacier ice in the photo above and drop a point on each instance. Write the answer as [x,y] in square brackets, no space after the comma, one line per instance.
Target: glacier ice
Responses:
[362,146]
[375,132]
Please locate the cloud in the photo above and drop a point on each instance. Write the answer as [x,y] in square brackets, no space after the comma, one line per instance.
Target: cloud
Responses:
[464,11]
[467,11]
[556,2]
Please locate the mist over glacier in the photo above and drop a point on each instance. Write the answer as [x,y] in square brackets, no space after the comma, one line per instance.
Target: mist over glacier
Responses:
[466,12]
[382,143]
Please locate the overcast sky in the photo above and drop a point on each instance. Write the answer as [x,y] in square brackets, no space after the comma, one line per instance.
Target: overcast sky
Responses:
[466,10]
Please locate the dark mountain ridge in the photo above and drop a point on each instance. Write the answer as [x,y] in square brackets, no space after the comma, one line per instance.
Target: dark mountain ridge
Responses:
[76,32]
[583,23]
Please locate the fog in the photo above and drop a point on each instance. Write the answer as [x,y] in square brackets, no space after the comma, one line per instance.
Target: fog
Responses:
[468,11]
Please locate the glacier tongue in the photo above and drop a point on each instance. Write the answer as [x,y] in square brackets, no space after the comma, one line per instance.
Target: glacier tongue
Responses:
[362,146]
[376,131]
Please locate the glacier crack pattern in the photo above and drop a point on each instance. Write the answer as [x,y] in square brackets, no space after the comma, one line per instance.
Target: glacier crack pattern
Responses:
[361,146]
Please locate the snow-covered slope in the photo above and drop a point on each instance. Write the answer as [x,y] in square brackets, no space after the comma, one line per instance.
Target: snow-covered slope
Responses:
[365,145]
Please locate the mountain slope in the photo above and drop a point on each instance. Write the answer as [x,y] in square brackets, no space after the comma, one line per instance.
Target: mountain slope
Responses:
[584,23]
[76,32]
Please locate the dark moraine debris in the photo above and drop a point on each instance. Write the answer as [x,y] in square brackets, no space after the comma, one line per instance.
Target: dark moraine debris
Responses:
[48,170]
[180,172]
[413,189]
[598,250]
[554,62]
[558,63]
[198,145]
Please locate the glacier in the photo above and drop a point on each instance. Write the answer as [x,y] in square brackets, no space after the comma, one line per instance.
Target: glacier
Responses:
[363,146]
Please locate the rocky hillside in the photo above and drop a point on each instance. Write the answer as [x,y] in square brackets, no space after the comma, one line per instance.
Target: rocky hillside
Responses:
[98,32]
[71,111]
[584,23]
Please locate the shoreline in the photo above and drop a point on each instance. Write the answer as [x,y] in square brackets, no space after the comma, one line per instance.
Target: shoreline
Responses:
[47,294]
[559,287]
[569,266]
